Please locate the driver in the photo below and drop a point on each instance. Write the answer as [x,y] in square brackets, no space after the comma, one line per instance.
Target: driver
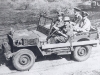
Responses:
[64,31]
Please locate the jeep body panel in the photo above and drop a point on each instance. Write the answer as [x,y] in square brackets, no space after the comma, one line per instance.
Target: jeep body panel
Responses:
[59,45]
[23,38]
[83,36]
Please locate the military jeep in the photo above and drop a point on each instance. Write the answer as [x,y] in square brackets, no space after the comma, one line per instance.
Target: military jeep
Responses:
[24,46]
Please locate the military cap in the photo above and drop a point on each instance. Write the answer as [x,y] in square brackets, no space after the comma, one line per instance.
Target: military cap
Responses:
[77,9]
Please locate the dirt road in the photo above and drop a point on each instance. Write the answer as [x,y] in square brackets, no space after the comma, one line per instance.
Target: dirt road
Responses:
[62,65]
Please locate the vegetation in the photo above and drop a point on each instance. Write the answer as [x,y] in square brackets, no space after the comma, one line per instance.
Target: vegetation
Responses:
[27,11]
[20,11]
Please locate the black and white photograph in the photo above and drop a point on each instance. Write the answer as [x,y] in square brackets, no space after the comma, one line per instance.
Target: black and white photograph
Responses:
[49,37]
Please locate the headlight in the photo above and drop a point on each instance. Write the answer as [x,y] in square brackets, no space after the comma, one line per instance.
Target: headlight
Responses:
[18,42]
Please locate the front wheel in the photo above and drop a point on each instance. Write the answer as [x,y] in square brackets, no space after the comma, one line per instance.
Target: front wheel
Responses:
[23,59]
[82,53]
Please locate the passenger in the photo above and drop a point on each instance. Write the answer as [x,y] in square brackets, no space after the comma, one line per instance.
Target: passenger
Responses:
[60,22]
[78,16]
[85,24]
[64,31]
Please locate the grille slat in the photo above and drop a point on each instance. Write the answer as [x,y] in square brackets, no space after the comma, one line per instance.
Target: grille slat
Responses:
[30,41]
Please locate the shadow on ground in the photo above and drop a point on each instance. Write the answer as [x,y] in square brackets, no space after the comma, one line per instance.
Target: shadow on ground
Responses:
[3,61]
[53,57]
[9,64]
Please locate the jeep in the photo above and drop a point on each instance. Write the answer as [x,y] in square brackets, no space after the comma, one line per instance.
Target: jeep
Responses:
[24,46]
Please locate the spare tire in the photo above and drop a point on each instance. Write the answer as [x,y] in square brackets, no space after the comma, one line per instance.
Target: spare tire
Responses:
[23,59]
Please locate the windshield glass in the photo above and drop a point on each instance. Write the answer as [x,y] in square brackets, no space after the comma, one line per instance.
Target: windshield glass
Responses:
[45,22]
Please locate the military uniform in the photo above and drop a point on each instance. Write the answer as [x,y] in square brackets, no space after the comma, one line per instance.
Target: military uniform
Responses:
[85,24]
[78,17]
[65,32]
[59,22]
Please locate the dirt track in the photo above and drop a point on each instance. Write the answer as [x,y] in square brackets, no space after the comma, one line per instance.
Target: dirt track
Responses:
[61,65]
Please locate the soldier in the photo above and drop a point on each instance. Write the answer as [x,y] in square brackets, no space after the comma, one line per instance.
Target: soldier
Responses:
[64,31]
[85,24]
[59,22]
[78,16]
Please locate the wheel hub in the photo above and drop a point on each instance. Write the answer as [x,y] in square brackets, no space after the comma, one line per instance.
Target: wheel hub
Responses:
[82,52]
[24,60]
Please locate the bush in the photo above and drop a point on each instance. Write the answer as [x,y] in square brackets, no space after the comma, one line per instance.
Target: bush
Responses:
[57,5]
[42,5]
[25,10]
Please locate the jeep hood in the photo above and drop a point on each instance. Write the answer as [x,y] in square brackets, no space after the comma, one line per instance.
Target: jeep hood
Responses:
[25,34]
[41,36]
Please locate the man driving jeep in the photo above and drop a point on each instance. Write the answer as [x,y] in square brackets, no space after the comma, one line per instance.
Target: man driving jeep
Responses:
[64,31]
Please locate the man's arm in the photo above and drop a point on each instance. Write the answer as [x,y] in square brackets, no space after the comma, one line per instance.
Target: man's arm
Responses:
[78,20]
[62,34]
[60,31]
[86,26]
[56,27]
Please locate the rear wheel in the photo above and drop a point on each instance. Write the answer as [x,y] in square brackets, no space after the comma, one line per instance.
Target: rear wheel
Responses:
[23,59]
[82,53]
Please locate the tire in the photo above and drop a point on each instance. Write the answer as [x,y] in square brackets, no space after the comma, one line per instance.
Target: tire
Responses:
[82,53]
[23,59]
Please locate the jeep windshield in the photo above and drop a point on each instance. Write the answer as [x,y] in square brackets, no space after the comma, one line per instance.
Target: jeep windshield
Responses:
[45,23]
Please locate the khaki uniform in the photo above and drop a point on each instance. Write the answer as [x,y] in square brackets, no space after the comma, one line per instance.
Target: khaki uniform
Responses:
[59,24]
[84,26]
[78,19]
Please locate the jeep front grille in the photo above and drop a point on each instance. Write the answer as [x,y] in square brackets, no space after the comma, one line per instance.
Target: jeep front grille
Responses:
[30,41]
